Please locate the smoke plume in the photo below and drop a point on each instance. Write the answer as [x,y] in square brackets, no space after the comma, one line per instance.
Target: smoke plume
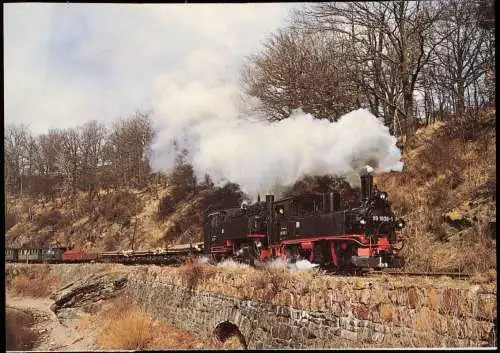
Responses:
[261,156]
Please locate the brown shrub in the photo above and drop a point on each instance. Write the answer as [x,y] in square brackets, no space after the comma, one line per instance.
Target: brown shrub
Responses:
[111,242]
[269,281]
[38,283]
[11,220]
[131,330]
[119,206]
[182,185]
[51,218]
[192,274]
[18,333]
[171,200]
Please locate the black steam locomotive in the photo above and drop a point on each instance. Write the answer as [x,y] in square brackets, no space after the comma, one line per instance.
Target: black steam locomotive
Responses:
[316,227]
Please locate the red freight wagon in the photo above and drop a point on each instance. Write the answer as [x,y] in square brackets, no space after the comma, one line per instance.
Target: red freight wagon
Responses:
[78,255]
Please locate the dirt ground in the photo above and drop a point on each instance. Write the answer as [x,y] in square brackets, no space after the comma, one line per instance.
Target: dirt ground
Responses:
[53,335]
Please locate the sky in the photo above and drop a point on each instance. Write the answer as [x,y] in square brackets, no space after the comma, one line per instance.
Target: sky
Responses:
[67,64]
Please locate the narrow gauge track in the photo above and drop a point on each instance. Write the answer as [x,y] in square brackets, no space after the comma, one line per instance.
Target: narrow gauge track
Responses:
[391,272]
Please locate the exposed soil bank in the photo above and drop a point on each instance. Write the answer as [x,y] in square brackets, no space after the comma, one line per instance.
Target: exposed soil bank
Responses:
[40,328]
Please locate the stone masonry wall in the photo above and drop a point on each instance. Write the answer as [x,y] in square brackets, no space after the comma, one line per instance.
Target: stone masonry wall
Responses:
[307,311]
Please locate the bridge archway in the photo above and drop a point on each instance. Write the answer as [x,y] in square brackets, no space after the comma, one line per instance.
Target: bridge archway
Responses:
[226,330]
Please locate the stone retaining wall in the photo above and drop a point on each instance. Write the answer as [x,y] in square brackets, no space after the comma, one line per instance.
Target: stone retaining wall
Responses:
[330,312]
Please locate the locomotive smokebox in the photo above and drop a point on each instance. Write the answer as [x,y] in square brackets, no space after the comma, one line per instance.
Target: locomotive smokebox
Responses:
[366,186]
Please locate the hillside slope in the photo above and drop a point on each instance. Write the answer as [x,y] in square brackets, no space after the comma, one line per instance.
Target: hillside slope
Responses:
[113,221]
[446,193]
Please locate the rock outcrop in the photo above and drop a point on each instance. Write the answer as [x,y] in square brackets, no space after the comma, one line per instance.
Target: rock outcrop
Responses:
[89,289]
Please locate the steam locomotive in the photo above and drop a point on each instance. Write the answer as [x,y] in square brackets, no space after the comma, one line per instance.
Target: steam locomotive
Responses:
[316,227]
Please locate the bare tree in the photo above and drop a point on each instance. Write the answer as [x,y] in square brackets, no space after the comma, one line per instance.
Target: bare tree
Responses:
[51,148]
[92,139]
[299,70]
[15,144]
[389,46]
[128,149]
[70,159]
[462,57]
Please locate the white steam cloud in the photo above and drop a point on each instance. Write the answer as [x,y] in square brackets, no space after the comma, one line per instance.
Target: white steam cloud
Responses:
[261,156]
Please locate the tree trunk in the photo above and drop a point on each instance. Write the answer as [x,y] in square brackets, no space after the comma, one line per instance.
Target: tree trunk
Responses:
[460,102]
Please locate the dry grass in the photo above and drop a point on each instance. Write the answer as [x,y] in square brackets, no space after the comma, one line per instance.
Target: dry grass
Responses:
[18,333]
[126,326]
[192,274]
[130,330]
[84,323]
[445,170]
[115,308]
[38,283]
[166,336]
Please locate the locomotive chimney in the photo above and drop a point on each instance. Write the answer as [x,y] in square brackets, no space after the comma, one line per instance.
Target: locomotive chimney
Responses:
[366,185]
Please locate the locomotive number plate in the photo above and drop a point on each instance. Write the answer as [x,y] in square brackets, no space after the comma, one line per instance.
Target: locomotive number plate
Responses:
[383,218]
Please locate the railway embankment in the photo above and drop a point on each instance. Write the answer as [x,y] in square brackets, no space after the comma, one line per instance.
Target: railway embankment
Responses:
[276,309]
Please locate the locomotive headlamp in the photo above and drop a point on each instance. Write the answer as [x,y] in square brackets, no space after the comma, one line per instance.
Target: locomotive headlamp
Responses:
[362,221]
[400,224]
[383,195]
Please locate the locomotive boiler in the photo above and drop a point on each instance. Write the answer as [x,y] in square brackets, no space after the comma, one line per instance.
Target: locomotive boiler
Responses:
[313,226]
